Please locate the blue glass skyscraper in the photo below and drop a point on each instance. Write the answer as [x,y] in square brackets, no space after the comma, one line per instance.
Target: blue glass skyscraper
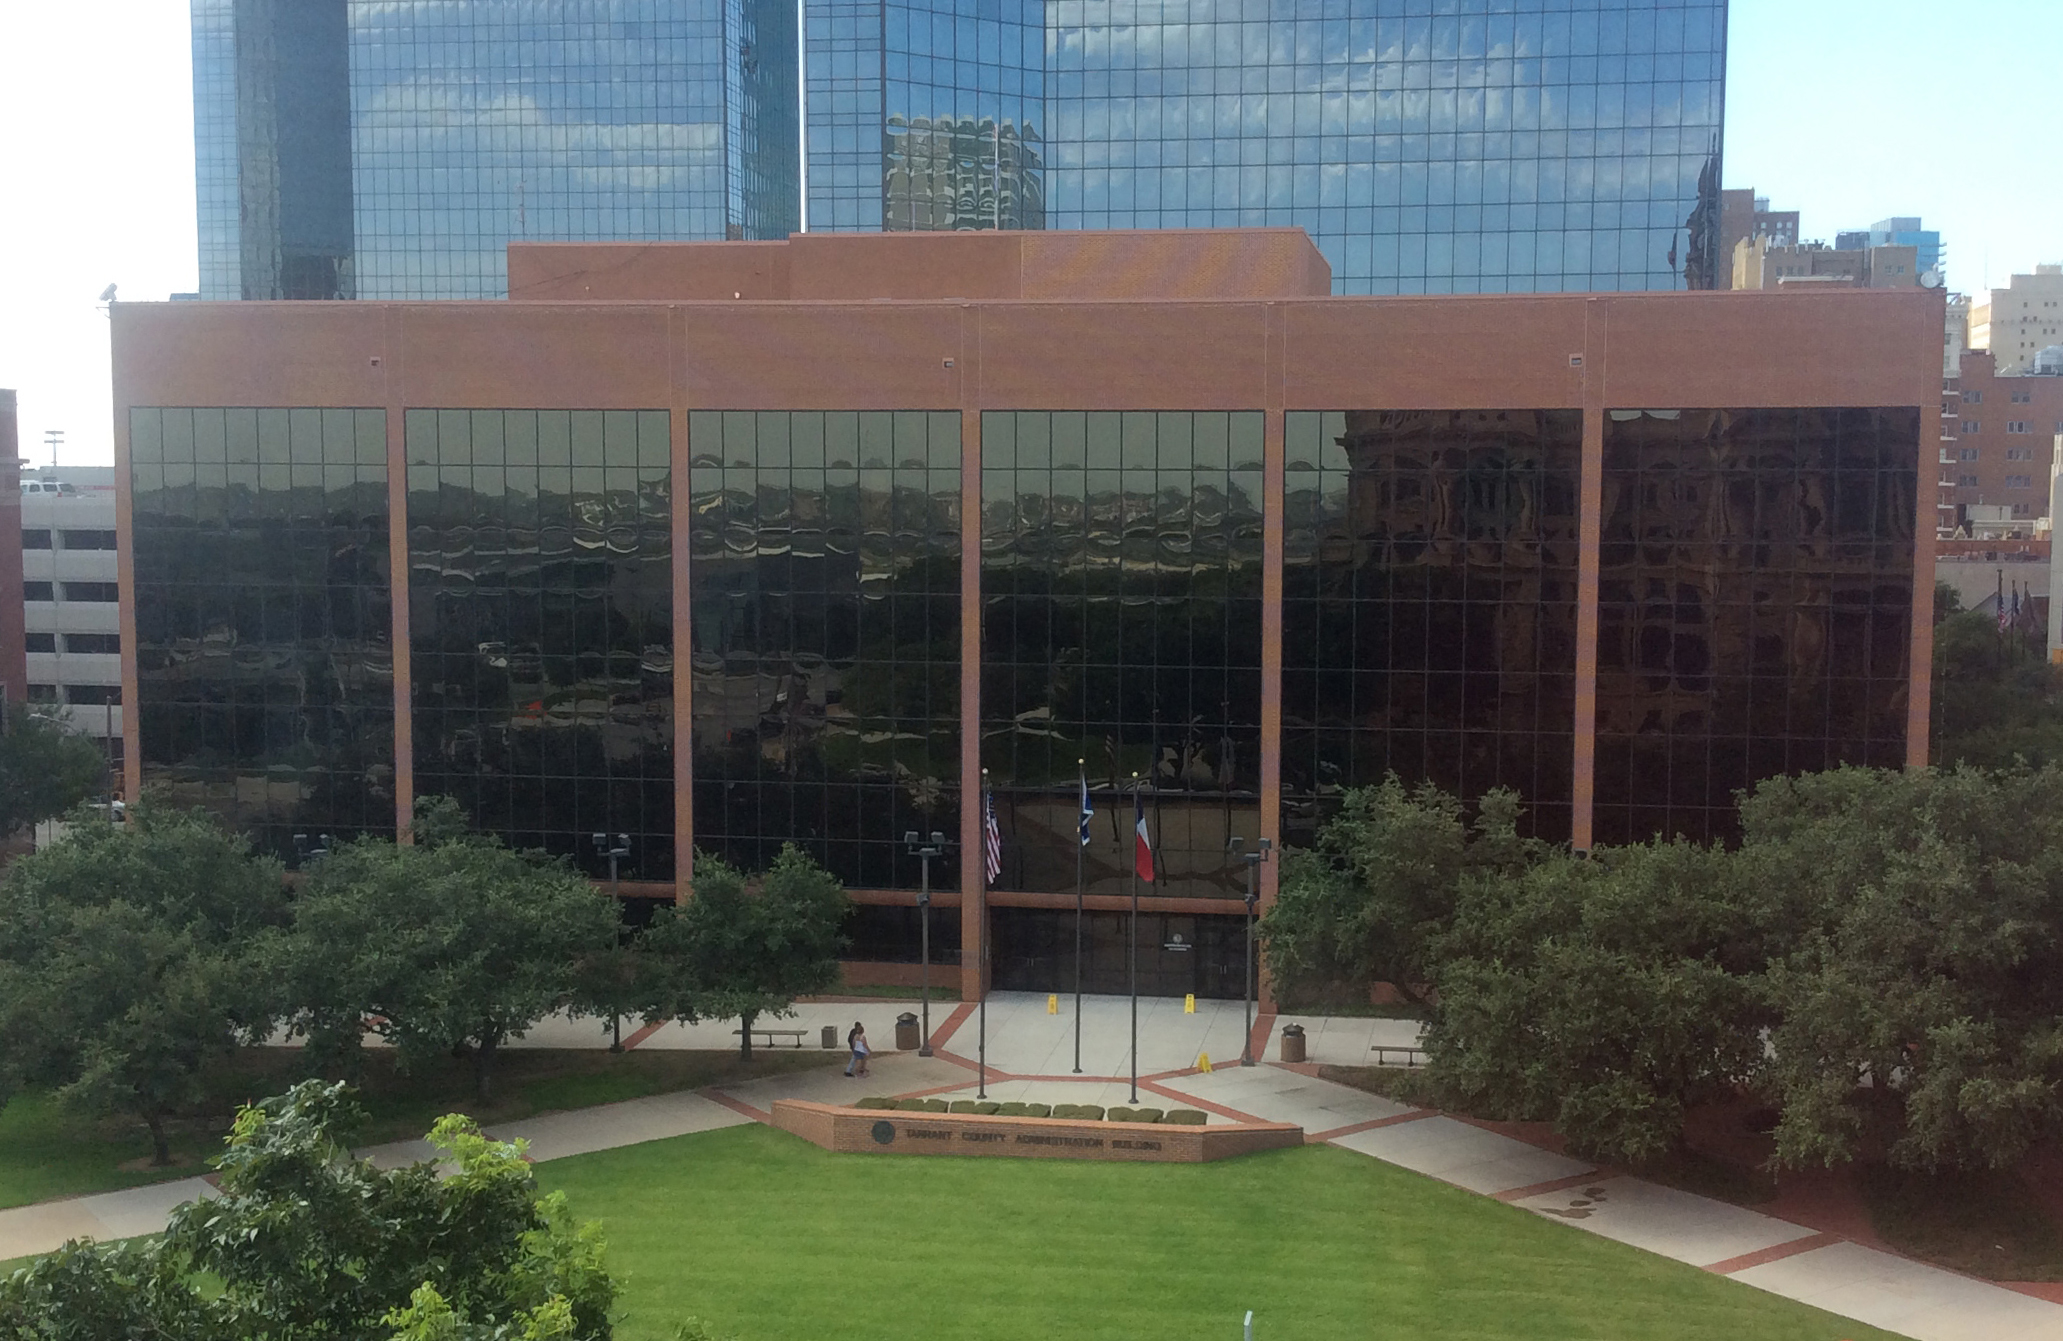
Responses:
[354,149]
[1426,145]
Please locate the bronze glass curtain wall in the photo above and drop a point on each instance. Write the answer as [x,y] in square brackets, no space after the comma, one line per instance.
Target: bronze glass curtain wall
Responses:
[1754,575]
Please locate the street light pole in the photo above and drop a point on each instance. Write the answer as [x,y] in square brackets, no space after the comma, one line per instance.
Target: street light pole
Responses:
[616,853]
[924,852]
[1253,861]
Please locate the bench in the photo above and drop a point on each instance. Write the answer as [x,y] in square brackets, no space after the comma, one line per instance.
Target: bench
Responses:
[1412,1057]
[769,1034]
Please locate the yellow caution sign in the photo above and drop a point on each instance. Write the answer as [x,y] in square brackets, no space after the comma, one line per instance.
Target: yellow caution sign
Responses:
[1052,1003]
[1189,1004]
[1203,1062]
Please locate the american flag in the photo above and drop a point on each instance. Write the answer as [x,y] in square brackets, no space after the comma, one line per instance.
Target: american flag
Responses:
[992,839]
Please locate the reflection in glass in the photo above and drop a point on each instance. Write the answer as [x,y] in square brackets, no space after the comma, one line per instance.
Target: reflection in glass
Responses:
[1755,606]
[541,625]
[826,616]
[1179,953]
[1429,610]
[1121,625]
[264,627]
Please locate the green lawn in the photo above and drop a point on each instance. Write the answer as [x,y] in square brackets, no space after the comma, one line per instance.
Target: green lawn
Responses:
[46,1151]
[775,1240]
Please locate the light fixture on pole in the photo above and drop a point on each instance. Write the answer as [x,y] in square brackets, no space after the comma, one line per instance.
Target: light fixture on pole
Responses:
[615,853]
[924,852]
[1253,860]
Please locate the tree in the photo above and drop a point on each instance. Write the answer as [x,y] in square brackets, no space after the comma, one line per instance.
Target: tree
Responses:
[1384,880]
[307,1243]
[735,951]
[1996,697]
[128,961]
[454,942]
[1921,1015]
[1607,996]
[45,768]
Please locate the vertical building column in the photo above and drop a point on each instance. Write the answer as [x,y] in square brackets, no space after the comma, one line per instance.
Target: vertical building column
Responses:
[1273,459]
[397,580]
[1589,532]
[679,489]
[973,901]
[125,573]
[1920,669]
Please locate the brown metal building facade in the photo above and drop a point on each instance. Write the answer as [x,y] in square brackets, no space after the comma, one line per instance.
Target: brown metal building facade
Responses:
[721,545]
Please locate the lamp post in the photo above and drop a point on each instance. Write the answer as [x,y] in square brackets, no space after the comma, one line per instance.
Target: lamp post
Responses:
[615,853]
[1263,851]
[924,851]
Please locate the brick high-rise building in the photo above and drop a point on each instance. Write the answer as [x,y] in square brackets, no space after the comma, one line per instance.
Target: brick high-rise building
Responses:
[1998,434]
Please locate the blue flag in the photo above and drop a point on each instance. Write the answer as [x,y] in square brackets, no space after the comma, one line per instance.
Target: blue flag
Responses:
[1088,811]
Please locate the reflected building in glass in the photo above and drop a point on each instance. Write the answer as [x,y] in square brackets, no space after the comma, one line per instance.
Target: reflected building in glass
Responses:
[919,522]
[351,149]
[1482,148]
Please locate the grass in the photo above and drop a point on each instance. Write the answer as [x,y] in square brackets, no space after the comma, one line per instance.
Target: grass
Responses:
[774,1240]
[1986,1223]
[47,1151]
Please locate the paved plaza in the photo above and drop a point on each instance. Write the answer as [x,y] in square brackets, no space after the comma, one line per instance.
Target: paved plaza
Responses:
[1030,1055]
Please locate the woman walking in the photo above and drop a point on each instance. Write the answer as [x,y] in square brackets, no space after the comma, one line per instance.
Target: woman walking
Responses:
[856,1039]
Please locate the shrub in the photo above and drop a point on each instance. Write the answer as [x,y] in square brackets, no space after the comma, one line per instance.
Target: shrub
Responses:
[1146,1115]
[1117,1115]
[875,1103]
[964,1105]
[1013,1110]
[987,1109]
[1186,1117]
[1037,1110]
[933,1106]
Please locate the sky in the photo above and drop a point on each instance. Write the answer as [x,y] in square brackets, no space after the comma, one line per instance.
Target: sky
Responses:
[1844,110]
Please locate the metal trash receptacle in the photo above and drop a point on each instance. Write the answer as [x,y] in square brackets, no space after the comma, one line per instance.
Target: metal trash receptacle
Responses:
[830,1037]
[1292,1042]
[906,1039]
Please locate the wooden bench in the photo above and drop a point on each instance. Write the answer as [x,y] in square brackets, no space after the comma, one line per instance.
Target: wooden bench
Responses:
[769,1034]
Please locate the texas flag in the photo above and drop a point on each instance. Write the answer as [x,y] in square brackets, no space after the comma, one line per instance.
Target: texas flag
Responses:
[1142,847]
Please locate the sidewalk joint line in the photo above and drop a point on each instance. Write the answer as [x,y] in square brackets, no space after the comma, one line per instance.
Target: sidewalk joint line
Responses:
[737,1105]
[1356,1128]
[1763,1256]
[1551,1185]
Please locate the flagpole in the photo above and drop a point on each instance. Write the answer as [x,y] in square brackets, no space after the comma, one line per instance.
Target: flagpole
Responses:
[1080,848]
[981,1038]
[1132,953]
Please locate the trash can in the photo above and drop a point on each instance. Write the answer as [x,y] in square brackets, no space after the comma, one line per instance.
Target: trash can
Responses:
[830,1037]
[1292,1042]
[906,1039]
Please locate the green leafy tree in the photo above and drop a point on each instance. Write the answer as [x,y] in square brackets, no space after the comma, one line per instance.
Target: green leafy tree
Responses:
[1383,882]
[46,768]
[453,942]
[735,951]
[1921,1013]
[1997,699]
[1608,996]
[307,1243]
[128,962]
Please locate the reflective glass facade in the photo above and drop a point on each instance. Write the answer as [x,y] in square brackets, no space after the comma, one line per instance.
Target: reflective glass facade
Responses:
[825,553]
[1755,606]
[1429,609]
[926,116]
[541,626]
[407,145]
[264,653]
[1474,146]
[1121,626]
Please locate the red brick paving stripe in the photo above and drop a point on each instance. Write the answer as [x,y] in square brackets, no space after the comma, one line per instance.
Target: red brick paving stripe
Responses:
[1551,1185]
[1353,1127]
[953,1088]
[738,1105]
[1776,1254]
[640,1035]
[960,1015]
[1257,1041]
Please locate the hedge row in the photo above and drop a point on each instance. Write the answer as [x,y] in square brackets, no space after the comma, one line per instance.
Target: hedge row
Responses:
[1181,1117]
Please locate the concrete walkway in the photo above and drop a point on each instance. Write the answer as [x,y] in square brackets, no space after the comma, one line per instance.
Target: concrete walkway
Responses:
[1030,1054]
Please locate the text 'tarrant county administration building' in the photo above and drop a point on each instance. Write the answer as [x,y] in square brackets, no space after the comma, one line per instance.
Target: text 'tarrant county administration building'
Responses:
[726,545]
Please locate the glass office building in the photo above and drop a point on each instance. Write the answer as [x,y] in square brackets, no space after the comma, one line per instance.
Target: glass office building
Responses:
[348,149]
[1461,147]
